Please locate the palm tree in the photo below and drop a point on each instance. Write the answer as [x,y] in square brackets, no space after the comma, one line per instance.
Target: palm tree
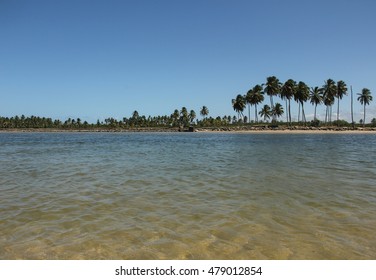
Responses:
[192,116]
[239,104]
[365,98]
[135,115]
[287,92]
[301,96]
[341,91]
[248,100]
[175,117]
[204,111]
[272,87]
[316,98]
[257,97]
[329,91]
[265,112]
[184,116]
[277,111]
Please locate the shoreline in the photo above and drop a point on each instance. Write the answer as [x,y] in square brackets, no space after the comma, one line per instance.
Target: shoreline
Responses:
[293,130]
[241,129]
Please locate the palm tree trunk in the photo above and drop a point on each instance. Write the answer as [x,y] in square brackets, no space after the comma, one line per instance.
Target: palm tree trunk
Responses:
[290,112]
[338,113]
[298,112]
[352,111]
[303,115]
[326,115]
[272,106]
[271,102]
[330,115]
[287,115]
[256,119]
[314,117]
[364,117]
[249,113]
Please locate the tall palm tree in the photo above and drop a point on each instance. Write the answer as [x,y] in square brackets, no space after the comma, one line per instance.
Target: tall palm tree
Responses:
[248,101]
[352,108]
[204,111]
[329,91]
[256,97]
[301,96]
[265,112]
[239,105]
[341,91]
[365,98]
[272,88]
[288,90]
[316,98]
[277,111]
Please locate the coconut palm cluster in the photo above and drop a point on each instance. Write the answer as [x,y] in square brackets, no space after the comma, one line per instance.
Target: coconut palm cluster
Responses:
[301,93]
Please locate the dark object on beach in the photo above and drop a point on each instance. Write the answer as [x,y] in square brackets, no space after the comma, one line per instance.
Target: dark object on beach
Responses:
[190,129]
[273,126]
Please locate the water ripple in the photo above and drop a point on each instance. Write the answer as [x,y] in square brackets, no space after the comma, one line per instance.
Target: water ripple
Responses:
[187,196]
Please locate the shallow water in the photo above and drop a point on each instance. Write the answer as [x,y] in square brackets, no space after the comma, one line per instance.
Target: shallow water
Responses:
[187,196]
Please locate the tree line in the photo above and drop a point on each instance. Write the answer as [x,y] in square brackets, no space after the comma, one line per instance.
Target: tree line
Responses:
[290,90]
[177,119]
[301,93]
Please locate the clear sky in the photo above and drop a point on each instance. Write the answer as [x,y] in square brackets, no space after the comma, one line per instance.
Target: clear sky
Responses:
[95,59]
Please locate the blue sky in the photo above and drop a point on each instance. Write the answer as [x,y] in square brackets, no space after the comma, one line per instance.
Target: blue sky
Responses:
[96,59]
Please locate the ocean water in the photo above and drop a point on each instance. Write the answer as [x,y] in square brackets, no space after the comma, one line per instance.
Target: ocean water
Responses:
[187,196]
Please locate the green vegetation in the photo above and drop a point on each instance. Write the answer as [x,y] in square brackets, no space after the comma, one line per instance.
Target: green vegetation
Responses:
[373,122]
[184,118]
[301,93]
[177,119]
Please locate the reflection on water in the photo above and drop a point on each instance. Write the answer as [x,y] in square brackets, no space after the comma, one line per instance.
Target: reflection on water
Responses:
[187,196]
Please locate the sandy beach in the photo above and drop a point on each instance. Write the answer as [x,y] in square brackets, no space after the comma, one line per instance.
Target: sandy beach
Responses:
[292,131]
[240,129]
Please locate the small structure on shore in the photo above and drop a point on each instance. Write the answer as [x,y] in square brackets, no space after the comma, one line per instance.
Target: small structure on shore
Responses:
[189,129]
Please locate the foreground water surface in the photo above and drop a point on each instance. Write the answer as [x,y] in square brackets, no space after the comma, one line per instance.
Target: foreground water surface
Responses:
[187,196]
